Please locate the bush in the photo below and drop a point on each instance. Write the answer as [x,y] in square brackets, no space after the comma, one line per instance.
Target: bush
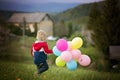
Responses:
[97,59]
[15,29]
[78,34]
[4,38]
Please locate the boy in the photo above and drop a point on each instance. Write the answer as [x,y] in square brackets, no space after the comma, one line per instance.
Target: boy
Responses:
[39,51]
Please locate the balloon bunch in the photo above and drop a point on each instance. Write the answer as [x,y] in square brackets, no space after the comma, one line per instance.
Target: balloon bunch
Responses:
[68,53]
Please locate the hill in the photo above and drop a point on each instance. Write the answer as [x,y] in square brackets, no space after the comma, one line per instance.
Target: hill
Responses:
[74,19]
[76,15]
[73,13]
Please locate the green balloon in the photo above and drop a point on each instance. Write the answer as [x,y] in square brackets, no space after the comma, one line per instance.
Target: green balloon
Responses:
[59,62]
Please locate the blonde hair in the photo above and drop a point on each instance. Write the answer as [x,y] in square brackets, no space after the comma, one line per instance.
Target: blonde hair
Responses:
[41,35]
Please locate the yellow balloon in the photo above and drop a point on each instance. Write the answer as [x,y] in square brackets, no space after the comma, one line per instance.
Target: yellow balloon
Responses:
[76,43]
[59,62]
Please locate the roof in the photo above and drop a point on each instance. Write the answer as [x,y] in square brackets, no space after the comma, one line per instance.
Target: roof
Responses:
[29,17]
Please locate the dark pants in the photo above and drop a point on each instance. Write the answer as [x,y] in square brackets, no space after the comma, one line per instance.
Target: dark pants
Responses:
[42,67]
[40,61]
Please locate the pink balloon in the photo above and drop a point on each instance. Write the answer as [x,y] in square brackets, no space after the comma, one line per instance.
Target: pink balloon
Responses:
[62,45]
[84,60]
[66,56]
[76,54]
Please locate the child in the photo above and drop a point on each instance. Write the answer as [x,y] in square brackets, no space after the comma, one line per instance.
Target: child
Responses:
[39,51]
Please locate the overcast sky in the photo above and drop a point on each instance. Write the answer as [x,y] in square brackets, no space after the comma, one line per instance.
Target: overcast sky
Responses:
[40,5]
[46,1]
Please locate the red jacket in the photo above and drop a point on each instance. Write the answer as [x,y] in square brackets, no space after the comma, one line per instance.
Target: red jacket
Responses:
[37,46]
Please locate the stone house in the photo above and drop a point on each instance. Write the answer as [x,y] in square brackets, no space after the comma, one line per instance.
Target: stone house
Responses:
[42,20]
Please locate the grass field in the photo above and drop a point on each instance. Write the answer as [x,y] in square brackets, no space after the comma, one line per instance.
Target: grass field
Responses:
[17,64]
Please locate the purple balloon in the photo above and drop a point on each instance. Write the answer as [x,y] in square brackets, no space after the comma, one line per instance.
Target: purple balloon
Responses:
[76,54]
[84,60]
[66,56]
[62,45]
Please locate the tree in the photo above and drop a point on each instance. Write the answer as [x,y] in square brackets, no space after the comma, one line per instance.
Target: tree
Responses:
[94,17]
[36,29]
[110,21]
[61,29]
[24,27]
[70,29]
[105,26]
[4,35]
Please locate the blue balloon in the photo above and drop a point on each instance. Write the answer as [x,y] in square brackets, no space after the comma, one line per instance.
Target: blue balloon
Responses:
[71,65]
[56,51]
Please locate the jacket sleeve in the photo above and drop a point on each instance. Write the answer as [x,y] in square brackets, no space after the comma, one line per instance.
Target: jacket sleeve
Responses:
[46,49]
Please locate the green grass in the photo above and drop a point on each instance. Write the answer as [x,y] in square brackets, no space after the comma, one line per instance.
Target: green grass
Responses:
[25,71]
[17,64]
